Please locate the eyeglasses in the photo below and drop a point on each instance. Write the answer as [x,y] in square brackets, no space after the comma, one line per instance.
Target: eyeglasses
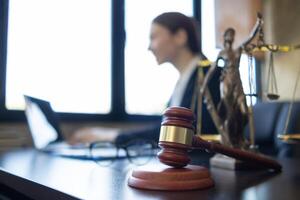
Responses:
[138,152]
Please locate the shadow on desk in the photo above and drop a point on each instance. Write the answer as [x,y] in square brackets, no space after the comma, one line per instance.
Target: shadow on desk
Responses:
[7,193]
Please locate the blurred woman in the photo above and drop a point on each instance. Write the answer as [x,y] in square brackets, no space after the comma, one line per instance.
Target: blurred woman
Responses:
[174,38]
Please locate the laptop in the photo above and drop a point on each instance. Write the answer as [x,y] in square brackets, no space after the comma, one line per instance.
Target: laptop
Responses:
[46,133]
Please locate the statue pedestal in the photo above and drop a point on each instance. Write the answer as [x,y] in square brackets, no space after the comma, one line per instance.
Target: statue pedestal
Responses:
[162,177]
[225,162]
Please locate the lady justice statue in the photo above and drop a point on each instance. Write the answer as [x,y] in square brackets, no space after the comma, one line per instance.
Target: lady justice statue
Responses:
[232,109]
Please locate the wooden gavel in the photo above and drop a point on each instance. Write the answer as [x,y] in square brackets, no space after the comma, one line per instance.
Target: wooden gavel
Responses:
[177,138]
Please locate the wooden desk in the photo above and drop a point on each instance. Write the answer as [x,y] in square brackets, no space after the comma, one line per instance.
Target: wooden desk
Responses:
[42,176]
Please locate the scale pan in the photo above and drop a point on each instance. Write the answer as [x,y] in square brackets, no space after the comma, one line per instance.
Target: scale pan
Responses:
[272,96]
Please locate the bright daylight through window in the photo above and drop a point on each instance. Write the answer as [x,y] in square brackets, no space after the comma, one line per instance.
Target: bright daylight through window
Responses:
[60,50]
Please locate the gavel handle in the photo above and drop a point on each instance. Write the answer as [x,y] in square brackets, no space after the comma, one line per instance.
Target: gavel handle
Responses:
[243,155]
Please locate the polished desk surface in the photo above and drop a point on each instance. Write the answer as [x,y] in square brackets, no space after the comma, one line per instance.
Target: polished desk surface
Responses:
[42,176]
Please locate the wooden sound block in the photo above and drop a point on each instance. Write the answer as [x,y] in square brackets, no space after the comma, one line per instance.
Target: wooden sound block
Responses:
[163,177]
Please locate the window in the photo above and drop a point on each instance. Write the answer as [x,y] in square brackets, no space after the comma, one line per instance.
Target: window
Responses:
[60,50]
[148,86]
[67,51]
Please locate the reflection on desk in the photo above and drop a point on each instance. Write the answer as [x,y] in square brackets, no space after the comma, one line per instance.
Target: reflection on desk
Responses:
[42,176]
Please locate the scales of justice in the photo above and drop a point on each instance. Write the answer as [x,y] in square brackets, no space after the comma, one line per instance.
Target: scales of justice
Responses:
[179,135]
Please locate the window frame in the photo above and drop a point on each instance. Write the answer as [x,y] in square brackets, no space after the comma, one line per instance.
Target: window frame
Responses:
[117,112]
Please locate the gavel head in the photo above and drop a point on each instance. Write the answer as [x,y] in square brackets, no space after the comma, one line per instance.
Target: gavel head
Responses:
[176,135]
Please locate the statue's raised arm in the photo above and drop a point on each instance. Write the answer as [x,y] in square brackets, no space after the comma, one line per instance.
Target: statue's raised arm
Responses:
[257,29]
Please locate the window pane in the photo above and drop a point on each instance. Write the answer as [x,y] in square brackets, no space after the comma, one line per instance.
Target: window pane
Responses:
[60,50]
[148,86]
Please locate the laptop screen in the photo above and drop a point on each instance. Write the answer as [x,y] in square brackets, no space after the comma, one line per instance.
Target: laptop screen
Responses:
[41,130]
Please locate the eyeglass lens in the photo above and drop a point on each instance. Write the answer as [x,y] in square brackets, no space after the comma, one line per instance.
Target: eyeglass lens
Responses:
[139,152]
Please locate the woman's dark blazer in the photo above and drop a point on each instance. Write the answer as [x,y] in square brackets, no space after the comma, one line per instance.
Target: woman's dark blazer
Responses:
[152,133]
